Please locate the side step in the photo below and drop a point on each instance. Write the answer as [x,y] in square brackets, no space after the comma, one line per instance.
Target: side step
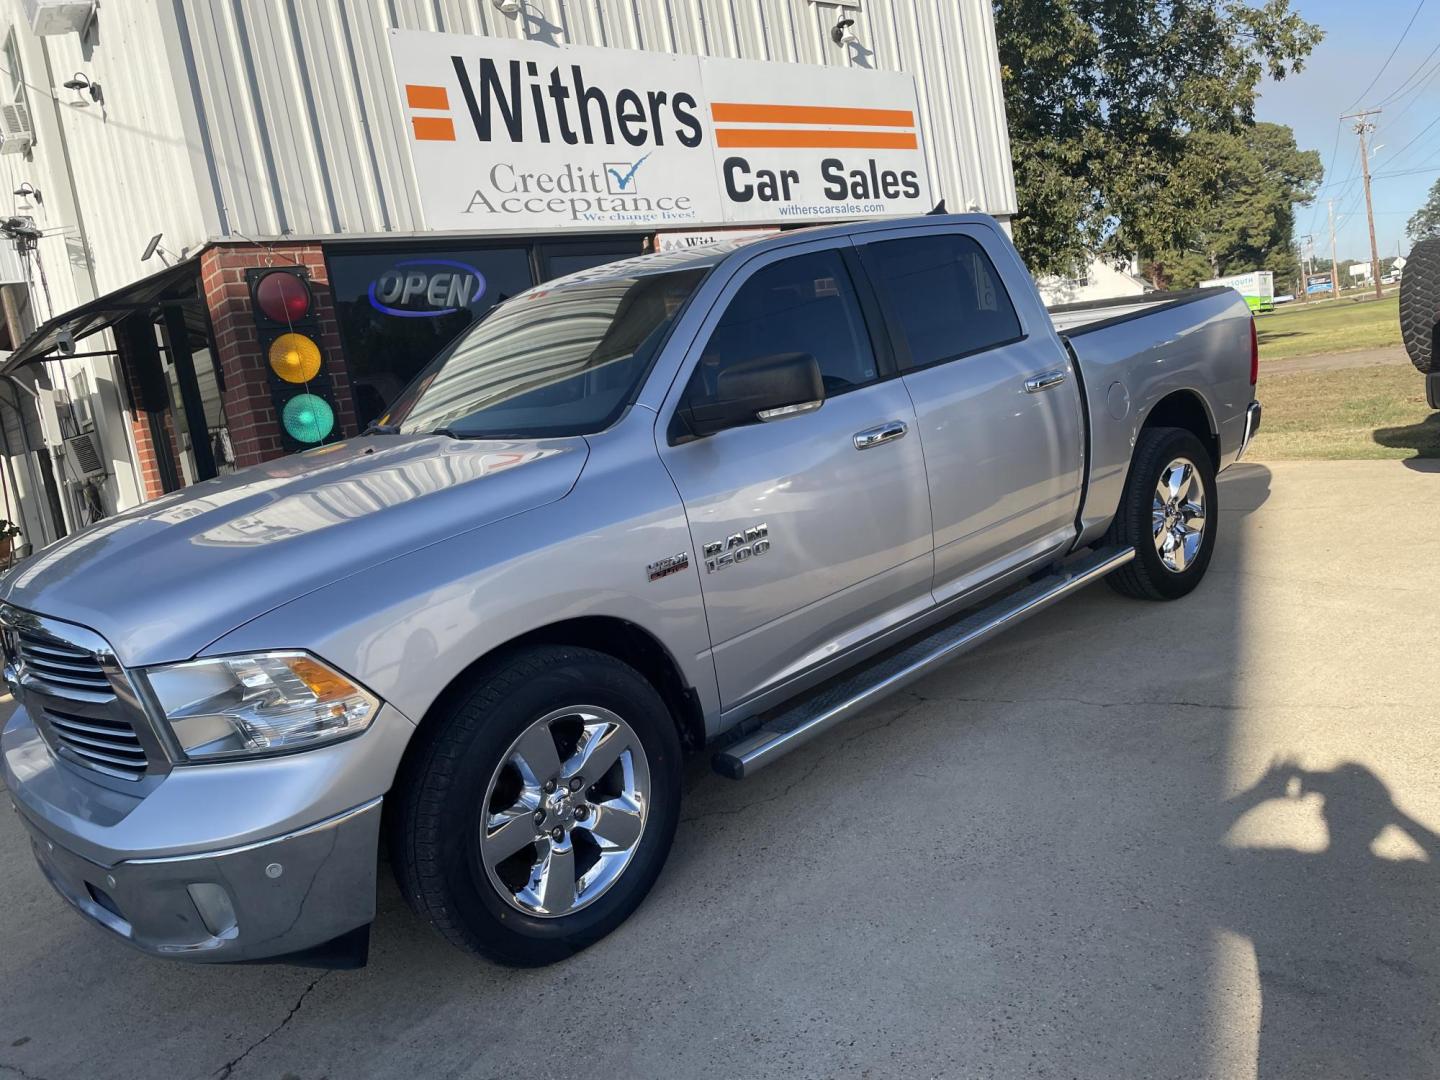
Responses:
[835,702]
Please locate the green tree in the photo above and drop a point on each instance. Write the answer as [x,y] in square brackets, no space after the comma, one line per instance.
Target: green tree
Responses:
[1103,97]
[1426,222]
[1246,219]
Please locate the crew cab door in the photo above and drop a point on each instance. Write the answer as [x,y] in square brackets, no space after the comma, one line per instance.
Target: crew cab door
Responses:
[998,402]
[813,529]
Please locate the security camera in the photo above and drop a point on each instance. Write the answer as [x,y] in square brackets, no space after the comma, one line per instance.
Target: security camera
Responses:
[65,343]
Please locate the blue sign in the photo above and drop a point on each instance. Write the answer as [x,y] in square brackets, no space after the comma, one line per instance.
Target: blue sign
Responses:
[426,288]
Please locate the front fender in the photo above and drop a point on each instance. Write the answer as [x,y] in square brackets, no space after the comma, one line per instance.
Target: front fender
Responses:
[409,627]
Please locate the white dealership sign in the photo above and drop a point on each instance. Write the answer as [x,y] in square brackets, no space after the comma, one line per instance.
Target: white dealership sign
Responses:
[519,135]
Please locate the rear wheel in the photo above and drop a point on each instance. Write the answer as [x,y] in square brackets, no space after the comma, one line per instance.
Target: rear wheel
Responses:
[540,809]
[1168,514]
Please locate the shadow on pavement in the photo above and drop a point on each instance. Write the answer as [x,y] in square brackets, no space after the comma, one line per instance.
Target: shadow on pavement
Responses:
[1345,937]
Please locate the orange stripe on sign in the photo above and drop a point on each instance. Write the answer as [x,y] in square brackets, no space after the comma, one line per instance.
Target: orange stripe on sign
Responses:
[427,97]
[434,128]
[837,140]
[737,113]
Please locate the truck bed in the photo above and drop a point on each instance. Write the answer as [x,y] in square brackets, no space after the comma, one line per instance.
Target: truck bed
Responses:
[1074,319]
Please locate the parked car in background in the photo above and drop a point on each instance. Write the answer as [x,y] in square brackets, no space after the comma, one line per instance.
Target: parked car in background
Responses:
[719,499]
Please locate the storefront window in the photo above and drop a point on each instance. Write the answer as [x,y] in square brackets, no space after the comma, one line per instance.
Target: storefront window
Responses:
[398,308]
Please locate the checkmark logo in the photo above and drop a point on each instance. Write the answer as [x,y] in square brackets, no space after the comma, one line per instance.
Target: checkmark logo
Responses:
[620,176]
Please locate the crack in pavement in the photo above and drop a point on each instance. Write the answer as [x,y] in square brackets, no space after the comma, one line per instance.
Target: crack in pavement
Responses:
[820,759]
[18,1071]
[224,1071]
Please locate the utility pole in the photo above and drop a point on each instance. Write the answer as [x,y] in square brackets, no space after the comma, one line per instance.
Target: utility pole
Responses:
[1334,262]
[1307,253]
[1363,127]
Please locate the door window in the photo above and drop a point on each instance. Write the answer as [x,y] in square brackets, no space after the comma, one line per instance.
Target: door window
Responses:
[802,304]
[946,296]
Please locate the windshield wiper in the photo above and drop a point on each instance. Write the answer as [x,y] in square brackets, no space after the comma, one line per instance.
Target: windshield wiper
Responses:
[377,428]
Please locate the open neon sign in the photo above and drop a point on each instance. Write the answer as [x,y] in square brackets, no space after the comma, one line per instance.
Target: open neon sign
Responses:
[426,288]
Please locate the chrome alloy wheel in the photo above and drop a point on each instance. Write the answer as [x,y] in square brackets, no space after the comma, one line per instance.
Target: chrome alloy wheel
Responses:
[1177,516]
[565,811]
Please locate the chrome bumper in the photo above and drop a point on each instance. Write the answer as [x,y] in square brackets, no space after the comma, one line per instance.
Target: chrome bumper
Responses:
[238,862]
[1252,425]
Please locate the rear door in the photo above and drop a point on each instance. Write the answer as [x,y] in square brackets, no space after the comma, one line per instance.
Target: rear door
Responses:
[997,401]
[813,530]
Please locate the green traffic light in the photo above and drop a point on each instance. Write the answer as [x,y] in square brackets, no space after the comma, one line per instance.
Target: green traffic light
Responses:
[308,418]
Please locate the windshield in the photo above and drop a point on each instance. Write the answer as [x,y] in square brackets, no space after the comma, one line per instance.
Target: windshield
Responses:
[550,362]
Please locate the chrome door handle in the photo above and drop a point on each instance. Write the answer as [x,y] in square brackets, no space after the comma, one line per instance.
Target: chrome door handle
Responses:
[1046,381]
[874,436]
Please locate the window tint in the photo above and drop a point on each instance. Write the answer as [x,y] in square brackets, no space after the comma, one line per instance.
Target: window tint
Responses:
[945,294]
[802,304]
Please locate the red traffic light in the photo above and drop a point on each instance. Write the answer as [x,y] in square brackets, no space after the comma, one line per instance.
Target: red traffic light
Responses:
[282,297]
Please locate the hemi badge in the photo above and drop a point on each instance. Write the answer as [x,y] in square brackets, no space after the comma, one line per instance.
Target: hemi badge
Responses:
[671,564]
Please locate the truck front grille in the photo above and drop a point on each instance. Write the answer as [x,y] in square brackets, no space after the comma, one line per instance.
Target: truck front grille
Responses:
[68,682]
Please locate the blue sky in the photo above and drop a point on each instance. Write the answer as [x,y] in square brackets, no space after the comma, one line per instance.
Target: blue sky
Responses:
[1359,36]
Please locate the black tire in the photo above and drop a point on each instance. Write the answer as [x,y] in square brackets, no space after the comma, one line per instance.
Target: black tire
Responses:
[1420,306]
[1146,577]
[436,820]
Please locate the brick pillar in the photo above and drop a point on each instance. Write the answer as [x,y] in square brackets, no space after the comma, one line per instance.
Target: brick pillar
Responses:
[249,410]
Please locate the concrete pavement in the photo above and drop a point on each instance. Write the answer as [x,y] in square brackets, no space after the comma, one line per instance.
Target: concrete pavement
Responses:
[1127,840]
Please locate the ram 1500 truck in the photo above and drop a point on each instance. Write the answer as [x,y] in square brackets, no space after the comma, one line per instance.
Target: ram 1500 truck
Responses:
[719,499]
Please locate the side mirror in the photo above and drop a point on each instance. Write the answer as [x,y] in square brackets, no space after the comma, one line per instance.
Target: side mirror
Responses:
[764,388]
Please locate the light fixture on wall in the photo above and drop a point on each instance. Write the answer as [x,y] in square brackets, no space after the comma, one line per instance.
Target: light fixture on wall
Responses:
[508,7]
[28,190]
[843,32]
[80,83]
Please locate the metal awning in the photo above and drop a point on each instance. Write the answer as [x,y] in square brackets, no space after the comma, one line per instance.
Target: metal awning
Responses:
[102,313]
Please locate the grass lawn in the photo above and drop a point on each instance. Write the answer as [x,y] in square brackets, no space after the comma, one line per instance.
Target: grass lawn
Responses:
[1327,326]
[1365,412]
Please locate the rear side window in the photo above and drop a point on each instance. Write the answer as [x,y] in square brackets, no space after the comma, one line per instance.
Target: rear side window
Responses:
[945,294]
[802,304]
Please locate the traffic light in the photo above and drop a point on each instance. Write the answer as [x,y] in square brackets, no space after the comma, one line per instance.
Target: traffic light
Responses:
[286,327]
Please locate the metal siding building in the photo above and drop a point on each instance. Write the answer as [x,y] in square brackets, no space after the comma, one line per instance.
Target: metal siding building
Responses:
[249,131]
[295,104]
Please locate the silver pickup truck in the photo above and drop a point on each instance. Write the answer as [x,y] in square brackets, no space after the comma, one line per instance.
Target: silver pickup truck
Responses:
[718,500]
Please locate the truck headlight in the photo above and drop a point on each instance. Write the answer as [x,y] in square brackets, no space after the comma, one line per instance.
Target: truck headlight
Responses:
[262,703]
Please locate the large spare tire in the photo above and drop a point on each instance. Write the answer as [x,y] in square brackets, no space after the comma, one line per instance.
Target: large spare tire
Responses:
[1420,306]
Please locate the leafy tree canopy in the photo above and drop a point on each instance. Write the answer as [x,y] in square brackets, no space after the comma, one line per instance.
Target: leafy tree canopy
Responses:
[1107,101]
[1426,222]
[1254,178]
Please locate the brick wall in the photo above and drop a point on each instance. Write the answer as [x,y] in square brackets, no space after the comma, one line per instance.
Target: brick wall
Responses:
[249,410]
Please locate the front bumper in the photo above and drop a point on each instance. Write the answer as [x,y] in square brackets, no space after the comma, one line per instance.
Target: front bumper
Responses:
[225,863]
[263,901]
[1252,426]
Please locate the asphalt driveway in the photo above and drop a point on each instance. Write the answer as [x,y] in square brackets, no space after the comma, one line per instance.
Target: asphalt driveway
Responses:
[1127,840]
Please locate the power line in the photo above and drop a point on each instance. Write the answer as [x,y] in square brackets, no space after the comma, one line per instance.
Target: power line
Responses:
[1406,33]
[1401,89]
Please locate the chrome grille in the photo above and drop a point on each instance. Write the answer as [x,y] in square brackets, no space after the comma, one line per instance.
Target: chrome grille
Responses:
[68,682]
[64,667]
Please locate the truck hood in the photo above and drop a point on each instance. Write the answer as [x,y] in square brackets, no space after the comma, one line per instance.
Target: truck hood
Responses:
[163,580]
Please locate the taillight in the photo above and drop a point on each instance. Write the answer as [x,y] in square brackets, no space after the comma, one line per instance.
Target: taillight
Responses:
[1254,353]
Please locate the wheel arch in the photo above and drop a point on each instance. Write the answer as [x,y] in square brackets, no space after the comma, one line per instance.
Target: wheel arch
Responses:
[1188,410]
[620,638]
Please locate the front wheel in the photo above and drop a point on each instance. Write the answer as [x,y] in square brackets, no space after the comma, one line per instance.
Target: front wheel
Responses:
[539,810]
[1168,513]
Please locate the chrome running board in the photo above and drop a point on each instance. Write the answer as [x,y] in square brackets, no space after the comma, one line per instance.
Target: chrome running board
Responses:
[835,702]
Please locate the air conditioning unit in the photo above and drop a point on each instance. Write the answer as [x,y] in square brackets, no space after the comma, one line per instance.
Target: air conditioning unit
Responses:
[50,17]
[16,134]
[83,450]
